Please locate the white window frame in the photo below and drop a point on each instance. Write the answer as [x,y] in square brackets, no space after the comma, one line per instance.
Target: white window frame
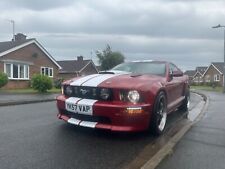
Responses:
[216,78]
[48,70]
[18,71]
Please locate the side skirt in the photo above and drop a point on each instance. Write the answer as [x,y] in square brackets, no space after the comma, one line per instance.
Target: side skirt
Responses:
[172,106]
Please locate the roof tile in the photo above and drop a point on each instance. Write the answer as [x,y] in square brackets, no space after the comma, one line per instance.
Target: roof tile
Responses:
[71,66]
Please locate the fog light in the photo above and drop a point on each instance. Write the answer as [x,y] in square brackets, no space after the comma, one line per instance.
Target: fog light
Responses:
[134,110]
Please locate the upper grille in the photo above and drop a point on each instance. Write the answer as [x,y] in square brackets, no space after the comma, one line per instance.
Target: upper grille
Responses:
[85,92]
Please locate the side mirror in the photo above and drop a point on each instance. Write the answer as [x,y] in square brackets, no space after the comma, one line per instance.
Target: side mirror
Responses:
[177,74]
[170,75]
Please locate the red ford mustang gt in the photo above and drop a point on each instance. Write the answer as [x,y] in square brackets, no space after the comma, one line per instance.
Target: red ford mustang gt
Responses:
[133,96]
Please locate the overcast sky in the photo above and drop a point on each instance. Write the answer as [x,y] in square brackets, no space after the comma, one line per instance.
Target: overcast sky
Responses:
[174,30]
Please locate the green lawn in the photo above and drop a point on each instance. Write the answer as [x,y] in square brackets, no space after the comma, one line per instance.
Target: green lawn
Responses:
[208,88]
[29,91]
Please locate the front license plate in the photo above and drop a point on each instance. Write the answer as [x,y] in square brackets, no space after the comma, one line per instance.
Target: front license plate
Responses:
[78,108]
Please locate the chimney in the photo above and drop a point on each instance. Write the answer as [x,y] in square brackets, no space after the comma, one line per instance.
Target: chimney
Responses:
[79,58]
[20,36]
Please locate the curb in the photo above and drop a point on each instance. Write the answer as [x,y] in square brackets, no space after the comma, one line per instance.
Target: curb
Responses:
[168,148]
[12,103]
[206,99]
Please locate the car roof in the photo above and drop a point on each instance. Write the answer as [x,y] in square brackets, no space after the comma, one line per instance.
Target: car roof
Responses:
[142,61]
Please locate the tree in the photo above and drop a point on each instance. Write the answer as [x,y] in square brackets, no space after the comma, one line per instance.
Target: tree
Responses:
[108,59]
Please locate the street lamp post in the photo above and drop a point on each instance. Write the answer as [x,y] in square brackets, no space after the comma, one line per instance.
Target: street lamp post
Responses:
[221,26]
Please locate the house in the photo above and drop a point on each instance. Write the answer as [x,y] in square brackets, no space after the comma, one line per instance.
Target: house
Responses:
[214,73]
[21,58]
[198,76]
[99,68]
[190,74]
[74,68]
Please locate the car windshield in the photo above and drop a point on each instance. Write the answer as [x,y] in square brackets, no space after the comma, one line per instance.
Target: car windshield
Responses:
[142,68]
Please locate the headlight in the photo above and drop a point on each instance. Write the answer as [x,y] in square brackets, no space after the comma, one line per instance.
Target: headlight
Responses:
[68,90]
[104,94]
[133,96]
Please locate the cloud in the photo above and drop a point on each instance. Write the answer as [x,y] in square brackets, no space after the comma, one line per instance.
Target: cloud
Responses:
[34,5]
[168,29]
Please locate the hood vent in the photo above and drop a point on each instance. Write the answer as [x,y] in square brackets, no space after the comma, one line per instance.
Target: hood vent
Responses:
[135,75]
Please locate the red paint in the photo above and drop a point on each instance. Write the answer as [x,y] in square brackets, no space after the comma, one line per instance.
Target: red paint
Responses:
[148,86]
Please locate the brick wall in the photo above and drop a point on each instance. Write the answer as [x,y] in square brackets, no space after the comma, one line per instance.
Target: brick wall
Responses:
[88,70]
[211,72]
[67,76]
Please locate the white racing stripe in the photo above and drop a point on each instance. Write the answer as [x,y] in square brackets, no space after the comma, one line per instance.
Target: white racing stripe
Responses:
[72,100]
[79,82]
[74,121]
[88,124]
[82,123]
[98,79]
[85,106]
[89,102]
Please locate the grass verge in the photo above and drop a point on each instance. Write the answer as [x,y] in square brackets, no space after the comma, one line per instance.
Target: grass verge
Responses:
[208,88]
[28,91]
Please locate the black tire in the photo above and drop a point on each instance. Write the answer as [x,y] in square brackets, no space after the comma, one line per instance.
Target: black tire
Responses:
[159,115]
[185,104]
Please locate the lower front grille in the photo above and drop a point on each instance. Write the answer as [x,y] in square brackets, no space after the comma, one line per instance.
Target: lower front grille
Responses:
[82,117]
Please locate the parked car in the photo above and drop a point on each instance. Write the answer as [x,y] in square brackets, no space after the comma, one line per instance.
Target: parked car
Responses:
[133,96]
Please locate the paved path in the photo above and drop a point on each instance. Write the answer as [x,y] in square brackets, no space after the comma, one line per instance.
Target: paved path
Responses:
[203,147]
[12,99]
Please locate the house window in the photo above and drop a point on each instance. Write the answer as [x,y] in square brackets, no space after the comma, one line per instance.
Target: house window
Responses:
[207,78]
[47,71]
[8,69]
[216,77]
[17,71]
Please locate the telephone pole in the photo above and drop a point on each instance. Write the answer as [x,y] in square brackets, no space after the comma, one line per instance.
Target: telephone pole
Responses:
[13,27]
[222,26]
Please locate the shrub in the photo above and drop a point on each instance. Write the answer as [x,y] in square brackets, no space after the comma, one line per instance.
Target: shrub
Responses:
[3,79]
[214,85]
[58,83]
[41,83]
[208,83]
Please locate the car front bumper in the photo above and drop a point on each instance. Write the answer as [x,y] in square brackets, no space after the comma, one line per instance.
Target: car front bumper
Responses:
[109,115]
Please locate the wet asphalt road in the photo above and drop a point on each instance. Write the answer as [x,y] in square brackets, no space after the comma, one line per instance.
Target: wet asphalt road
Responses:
[203,146]
[32,137]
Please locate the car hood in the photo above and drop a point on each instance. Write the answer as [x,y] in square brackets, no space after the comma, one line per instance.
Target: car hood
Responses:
[121,81]
[132,81]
